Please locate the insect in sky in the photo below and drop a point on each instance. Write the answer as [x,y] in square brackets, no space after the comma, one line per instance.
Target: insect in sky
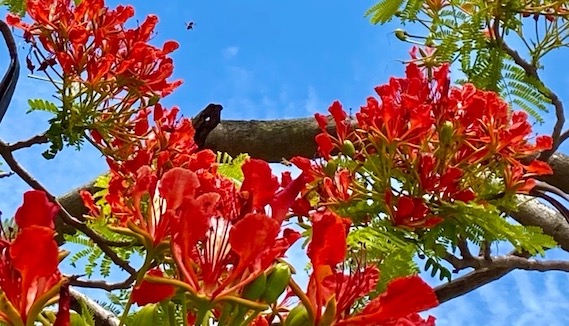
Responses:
[190,25]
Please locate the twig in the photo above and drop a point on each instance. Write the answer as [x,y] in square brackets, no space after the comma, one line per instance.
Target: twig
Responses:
[37,139]
[101,284]
[463,247]
[66,217]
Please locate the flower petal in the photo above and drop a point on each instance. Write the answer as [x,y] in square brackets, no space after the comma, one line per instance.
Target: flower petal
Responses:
[148,292]
[36,210]
[177,185]
[328,245]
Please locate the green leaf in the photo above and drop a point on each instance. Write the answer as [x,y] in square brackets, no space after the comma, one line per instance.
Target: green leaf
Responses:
[77,320]
[383,11]
[147,316]
[231,167]
[41,105]
[86,313]
[17,7]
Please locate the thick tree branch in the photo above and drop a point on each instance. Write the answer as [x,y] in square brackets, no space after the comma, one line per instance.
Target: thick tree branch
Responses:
[102,316]
[535,213]
[469,282]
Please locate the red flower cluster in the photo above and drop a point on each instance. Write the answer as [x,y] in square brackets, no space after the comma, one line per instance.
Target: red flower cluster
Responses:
[92,46]
[211,241]
[439,143]
[29,276]
[137,165]
[166,191]
[331,291]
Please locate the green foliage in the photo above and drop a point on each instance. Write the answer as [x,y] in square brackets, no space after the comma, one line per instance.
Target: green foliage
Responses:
[383,11]
[41,105]
[91,256]
[146,316]
[384,245]
[86,318]
[435,266]
[457,31]
[17,7]
[91,253]
[479,223]
[231,167]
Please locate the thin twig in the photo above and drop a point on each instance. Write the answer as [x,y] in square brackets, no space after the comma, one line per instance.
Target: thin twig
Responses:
[101,284]
[37,139]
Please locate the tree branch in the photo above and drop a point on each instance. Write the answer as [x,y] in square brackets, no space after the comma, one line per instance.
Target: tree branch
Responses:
[101,284]
[102,316]
[37,139]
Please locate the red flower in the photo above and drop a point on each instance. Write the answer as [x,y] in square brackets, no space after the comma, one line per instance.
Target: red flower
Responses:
[325,141]
[90,39]
[259,185]
[148,292]
[36,210]
[28,264]
[212,244]
[327,249]
[401,301]
[410,212]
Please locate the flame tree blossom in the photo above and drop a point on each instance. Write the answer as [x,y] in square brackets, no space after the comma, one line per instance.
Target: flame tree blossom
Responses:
[104,72]
[29,274]
[332,292]
[422,144]
[212,246]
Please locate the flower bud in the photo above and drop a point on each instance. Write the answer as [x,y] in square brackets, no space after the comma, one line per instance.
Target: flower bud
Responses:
[298,316]
[348,148]
[256,288]
[446,133]
[277,282]
[330,168]
[401,34]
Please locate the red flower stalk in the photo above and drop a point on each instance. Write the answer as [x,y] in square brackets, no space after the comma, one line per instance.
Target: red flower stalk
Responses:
[29,276]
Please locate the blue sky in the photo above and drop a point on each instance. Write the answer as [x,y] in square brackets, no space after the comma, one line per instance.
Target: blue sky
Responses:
[270,60]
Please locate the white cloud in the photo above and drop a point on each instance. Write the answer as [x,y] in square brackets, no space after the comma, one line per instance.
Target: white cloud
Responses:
[230,52]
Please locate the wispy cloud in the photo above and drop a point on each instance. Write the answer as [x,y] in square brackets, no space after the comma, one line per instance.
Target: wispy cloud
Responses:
[313,104]
[499,309]
[230,52]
